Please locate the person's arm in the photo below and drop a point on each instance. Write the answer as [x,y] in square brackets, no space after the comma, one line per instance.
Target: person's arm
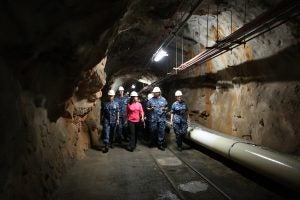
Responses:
[102,112]
[149,106]
[126,114]
[118,114]
[118,120]
[172,115]
[142,113]
[187,115]
[165,106]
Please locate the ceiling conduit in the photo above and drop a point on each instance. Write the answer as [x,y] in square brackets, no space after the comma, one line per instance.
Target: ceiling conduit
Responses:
[276,16]
[267,21]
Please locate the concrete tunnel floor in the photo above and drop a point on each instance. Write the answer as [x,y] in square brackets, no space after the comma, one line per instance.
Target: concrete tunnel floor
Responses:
[148,173]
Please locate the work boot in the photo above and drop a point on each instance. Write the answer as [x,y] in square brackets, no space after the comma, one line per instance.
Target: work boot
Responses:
[105,150]
[130,149]
[161,147]
[151,144]
[165,144]
[119,141]
[179,148]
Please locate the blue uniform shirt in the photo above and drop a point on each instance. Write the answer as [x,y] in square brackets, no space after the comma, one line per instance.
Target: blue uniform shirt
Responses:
[110,110]
[157,115]
[122,101]
[179,109]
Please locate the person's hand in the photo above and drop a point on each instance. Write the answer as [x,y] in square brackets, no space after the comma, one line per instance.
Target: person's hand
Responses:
[142,119]
[117,122]
[150,108]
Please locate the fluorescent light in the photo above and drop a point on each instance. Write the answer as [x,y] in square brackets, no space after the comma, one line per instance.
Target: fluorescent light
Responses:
[159,55]
[145,81]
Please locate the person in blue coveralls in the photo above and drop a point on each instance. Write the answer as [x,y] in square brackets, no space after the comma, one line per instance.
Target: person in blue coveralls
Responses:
[144,103]
[157,107]
[110,116]
[179,118]
[122,127]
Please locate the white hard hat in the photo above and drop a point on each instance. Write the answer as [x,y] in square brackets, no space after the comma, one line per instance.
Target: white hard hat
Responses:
[111,93]
[178,93]
[134,94]
[121,88]
[149,96]
[156,89]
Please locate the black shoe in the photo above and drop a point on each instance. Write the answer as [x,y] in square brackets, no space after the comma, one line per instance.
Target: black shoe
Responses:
[150,145]
[165,144]
[179,149]
[130,149]
[111,146]
[105,150]
[119,141]
[161,147]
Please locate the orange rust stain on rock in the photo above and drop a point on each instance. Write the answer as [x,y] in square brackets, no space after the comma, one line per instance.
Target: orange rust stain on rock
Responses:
[217,34]
[231,103]
[188,55]
[223,123]
[192,54]
[221,33]
[196,70]
[201,46]
[208,106]
[223,60]
[248,53]
[209,65]
[228,127]
[214,32]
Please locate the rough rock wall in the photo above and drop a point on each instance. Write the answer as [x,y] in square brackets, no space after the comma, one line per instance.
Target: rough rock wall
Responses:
[50,80]
[36,152]
[251,92]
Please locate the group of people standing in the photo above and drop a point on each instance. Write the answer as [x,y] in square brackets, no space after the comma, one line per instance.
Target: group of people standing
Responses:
[128,113]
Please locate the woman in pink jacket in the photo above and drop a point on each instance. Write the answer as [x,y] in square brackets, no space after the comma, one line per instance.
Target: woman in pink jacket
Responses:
[135,115]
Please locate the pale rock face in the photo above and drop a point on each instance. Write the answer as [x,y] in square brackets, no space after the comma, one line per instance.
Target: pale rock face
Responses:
[251,92]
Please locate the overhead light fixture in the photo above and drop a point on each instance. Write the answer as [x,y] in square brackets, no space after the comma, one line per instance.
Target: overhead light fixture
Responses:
[145,81]
[132,86]
[159,55]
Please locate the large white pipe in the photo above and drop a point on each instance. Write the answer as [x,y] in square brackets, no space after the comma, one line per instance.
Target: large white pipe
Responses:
[280,167]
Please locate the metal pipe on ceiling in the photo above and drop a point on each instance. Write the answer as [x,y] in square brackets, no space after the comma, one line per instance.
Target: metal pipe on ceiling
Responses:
[265,22]
[260,24]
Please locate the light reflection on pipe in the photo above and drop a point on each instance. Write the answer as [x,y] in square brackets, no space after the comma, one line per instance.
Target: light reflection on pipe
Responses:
[270,159]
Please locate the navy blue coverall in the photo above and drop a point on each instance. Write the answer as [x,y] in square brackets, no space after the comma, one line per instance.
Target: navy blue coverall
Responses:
[157,118]
[180,124]
[110,111]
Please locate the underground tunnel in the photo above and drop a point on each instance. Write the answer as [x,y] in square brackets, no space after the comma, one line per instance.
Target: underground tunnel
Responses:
[235,62]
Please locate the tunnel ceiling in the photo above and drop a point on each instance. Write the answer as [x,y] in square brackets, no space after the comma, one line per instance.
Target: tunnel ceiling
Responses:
[55,44]
[145,26]
[141,30]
